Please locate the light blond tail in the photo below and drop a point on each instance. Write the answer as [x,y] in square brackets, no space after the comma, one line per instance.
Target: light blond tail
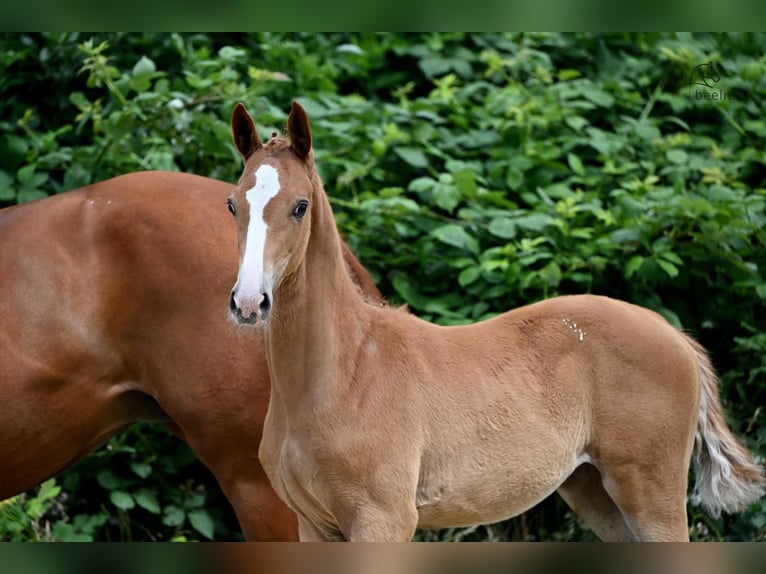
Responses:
[727,477]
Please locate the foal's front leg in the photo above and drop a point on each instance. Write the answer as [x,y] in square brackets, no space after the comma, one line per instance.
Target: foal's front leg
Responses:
[371,523]
[307,532]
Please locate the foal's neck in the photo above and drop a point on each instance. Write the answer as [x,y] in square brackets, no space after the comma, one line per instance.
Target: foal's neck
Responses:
[318,317]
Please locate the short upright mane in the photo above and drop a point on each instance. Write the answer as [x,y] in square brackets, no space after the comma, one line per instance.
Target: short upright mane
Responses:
[276,144]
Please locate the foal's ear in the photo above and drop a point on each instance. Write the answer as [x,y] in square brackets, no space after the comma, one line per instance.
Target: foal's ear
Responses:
[243,129]
[299,131]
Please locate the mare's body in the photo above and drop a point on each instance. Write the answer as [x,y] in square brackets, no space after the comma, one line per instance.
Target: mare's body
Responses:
[113,311]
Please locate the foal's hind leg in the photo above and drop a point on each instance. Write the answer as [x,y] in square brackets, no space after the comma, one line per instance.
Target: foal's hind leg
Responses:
[584,492]
[652,502]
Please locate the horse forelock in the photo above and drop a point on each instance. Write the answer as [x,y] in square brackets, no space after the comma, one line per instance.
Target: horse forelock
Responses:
[276,144]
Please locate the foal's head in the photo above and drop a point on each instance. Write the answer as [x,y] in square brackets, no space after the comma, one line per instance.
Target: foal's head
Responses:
[271,207]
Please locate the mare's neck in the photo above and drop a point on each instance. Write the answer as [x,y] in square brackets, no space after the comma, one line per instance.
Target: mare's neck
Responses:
[318,319]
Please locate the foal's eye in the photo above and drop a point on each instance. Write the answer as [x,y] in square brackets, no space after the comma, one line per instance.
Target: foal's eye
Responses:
[230,205]
[300,209]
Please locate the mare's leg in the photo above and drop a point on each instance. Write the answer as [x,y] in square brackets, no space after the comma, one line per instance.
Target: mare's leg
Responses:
[584,492]
[262,515]
[260,512]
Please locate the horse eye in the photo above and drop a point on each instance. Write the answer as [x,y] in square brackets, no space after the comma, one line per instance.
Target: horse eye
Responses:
[300,209]
[230,205]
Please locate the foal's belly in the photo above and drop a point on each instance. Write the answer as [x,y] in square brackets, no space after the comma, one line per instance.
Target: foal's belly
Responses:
[483,491]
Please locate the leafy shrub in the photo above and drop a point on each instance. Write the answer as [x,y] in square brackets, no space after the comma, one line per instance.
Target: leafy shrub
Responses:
[471,173]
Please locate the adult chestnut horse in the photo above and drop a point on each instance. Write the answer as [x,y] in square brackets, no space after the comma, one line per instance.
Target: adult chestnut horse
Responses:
[111,313]
[380,422]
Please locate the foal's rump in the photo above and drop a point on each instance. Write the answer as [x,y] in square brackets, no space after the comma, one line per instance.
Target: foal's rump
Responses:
[573,380]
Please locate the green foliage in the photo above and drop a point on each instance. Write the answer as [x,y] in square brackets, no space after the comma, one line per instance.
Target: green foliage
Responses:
[43,517]
[471,173]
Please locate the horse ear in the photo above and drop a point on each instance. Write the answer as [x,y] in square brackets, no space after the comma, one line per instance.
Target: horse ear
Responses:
[299,131]
[243,129]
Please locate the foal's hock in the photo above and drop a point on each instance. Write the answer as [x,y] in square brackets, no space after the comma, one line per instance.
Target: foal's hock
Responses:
[380,423]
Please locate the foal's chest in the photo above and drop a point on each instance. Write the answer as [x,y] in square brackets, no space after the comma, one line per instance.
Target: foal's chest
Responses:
[295,475]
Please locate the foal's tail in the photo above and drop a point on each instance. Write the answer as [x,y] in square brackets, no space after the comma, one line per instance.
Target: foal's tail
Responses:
[727,478]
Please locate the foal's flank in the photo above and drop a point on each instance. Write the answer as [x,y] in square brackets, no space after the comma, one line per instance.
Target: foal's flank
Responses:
[380,423]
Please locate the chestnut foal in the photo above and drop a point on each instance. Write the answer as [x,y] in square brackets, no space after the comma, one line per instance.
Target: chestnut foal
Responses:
[379,422]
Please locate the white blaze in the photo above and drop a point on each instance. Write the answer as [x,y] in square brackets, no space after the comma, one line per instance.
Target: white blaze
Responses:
[250,280]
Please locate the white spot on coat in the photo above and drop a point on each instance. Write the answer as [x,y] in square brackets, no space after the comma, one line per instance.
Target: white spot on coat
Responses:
[574,328]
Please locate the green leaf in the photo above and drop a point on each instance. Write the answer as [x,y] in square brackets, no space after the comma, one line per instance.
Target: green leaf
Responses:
[421,184]
[598,97]
[551,273]
[24,174]
[202,523]
[633,265]
[147,499]
[721,193]
[647,131]
[141,469]
[13,150]
[122,499]
[173,516]
[671,317]
[465,181]
[230,54]
[468,275]
[575,164]
[7,193]
[413,156]
[446,196]
[144,67]
[408,292]
[48,490]
[108,480]
[143,72]
[350,49]
[432,67]
[577,123]
[677,156]
[455,235]
[672,257]
[533,221]
[514,178]
[503,227]
[668,267]
[568,74]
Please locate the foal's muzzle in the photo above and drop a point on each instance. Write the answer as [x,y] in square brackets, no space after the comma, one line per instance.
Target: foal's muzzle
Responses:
[250,309]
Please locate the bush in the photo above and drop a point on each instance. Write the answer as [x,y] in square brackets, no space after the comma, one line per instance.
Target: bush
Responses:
[471,173]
